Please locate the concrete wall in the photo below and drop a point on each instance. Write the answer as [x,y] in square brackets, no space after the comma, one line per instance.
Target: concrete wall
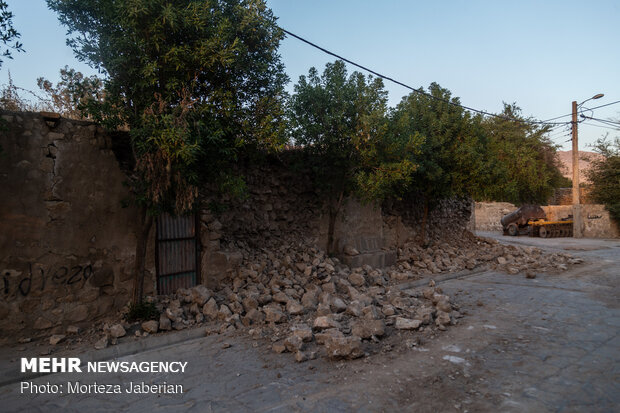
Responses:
[66,244]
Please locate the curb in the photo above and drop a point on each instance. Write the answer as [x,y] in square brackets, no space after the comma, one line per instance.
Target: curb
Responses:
[114,352]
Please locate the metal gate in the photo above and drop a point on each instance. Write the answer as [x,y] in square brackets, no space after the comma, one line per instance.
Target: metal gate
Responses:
[177,257]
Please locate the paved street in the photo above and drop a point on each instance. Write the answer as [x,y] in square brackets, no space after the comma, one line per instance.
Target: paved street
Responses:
[525,345]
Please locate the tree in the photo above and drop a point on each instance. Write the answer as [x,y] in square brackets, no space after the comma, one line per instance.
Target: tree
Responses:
[604,173]
[451,159]
[341,122]
[8,34]
[522,166]
[194,81]
[70,97]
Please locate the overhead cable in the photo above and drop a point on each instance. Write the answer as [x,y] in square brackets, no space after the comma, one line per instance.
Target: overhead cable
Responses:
[482,112]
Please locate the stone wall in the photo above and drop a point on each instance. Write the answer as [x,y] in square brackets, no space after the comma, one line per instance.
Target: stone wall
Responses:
[447,218]
[564,196]
[66,244]
[283,207]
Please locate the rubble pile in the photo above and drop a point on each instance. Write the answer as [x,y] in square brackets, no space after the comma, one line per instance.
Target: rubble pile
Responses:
[307,303]
[469,252]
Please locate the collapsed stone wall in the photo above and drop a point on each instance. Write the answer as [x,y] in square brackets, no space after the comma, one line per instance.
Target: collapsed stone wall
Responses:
[66,243]
[284,209]
[446,219]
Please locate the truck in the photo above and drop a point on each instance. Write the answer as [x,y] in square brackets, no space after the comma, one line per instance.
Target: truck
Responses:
[532,220]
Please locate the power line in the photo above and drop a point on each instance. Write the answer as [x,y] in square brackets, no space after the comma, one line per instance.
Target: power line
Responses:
[570,114]
[605,121]
[601,126]
[482,112]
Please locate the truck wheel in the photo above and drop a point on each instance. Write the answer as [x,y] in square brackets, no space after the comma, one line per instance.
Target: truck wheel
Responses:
[513,230]
[543,232]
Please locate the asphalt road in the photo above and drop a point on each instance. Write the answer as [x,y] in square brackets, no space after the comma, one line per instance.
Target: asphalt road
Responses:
[525,345]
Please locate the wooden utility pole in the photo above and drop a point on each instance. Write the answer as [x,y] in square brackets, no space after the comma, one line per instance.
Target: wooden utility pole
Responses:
[577,225]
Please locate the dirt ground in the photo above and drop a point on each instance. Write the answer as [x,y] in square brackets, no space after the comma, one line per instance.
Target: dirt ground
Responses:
[525,345]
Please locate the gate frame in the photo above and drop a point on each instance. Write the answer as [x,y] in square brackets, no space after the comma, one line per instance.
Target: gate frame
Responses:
[196,237]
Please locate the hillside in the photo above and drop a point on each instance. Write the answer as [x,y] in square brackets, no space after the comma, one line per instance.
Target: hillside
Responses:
[566,159]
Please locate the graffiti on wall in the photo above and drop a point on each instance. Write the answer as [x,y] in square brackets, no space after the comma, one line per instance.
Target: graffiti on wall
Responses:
[42,279]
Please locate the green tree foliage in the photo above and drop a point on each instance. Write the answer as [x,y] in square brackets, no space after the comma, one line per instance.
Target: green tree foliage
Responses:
[522,166]
[8,34]
[604,173]
[72,95]
[340,120]
[452,155]
[194,81]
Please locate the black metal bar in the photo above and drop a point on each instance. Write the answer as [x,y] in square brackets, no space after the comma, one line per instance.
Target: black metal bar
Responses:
[177,239]
[197,228]
[177,273]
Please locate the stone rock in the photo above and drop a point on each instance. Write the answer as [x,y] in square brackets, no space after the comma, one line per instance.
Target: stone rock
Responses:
[254,316]
[224,312]
[303,331]
[502,260]
[56,338]
[150,327]
[102,343]
[310,299]
[368,328]
[117,331]
[388,310]
[73,329]
[42,323]
[302,356]
[530,274]
[351,251]
[354,308]
[281,297]
[344,347]
[425,314]
[293,343]
[444,305]
[442,318]
[164,323]
[357,279]
[324,335]
[250,303]
[178,325]
[337,305]
[274,314]
[210,310]
[512,270]
[407,324]
[371,312]
[293,307]
[200,295]
[323,309]
[278,347]
[325,322]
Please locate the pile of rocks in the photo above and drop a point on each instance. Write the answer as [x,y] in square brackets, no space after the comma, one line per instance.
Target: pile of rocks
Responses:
[469,252]
[307,303]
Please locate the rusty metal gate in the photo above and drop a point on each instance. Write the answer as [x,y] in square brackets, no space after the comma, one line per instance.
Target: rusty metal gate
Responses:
[177,257]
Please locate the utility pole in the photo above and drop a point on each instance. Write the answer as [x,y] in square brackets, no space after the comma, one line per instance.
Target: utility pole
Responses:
[577,225]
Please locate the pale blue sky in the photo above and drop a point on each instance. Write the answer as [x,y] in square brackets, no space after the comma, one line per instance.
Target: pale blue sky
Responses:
[540,54]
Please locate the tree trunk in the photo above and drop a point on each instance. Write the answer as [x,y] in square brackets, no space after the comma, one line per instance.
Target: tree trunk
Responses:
[146,222]
[333,214]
